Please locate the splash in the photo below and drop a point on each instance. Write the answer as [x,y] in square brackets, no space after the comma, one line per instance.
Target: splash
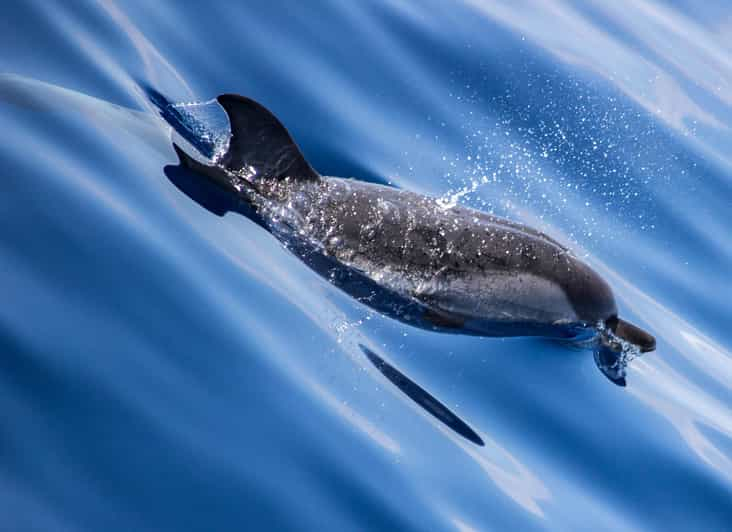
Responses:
[451,199]
[567,152]
[201,125]
[207,122]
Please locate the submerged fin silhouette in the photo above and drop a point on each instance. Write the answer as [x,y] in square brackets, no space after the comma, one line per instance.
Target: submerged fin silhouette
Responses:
[424,399]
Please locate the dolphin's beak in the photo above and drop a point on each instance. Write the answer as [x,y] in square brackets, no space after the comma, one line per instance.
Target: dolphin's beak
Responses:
[635,335]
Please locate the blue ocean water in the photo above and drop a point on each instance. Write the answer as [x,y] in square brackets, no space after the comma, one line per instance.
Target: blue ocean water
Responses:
[165,368]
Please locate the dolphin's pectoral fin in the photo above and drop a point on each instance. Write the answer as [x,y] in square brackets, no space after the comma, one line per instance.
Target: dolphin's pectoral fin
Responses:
[610,363]
[260,146]
[424,399]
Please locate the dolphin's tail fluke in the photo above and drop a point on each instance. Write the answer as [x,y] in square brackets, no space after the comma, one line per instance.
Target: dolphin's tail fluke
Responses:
[260,146]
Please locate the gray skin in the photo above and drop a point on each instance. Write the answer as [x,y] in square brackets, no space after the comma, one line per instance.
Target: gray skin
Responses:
[468,271]
[467,266]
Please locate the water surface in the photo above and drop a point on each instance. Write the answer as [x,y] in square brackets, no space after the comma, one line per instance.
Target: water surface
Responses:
[165,368]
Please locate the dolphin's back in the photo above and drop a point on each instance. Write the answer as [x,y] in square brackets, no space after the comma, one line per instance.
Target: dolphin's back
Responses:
[461,262]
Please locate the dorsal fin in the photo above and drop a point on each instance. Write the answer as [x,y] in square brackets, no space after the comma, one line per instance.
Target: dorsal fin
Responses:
[260,143]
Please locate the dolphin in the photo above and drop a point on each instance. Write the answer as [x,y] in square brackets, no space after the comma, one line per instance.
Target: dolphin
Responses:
[445,268]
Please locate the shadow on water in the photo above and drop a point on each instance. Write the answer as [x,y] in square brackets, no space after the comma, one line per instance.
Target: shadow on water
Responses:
[209,196]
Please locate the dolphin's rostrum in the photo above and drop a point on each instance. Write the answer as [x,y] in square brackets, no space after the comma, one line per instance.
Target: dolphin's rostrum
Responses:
[452,269]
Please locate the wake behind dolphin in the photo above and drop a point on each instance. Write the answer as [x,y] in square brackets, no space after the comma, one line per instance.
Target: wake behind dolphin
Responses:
[451,269]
